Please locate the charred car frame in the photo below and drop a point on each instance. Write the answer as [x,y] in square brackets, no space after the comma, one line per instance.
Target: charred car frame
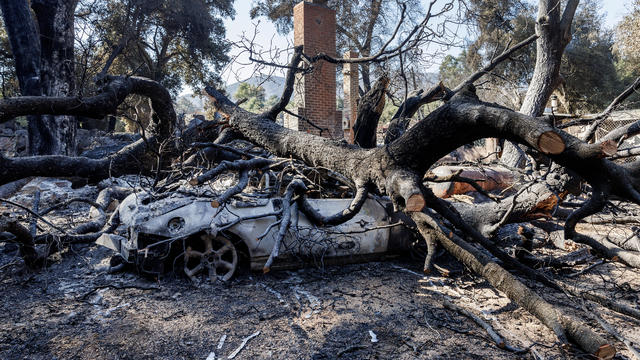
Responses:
[192,234]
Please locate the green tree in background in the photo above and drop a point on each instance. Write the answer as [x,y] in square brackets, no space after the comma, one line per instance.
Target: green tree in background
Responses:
[627,44]
[454,69]
[496,24]
[254,95]
[9,82]
[178,42]
[589,78]
[588,69]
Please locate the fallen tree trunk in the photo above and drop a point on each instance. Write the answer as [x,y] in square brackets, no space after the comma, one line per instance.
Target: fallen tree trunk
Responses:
[564,326]
[132,159]
[137,157]
[112,94]
[398,167]
[400,120]
[486,179]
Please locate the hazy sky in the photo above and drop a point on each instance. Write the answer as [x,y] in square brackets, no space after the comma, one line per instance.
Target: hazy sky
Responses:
[267,34]
[615,10]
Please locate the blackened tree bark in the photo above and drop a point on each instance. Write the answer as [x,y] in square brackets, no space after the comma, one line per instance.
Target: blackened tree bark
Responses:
[369,112]
[55,23]
[136,157]
[23,37]
[400,121]
[44,65]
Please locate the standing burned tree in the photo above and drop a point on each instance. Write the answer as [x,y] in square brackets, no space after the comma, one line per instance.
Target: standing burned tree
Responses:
[43,51]
[169,42]
[395,170]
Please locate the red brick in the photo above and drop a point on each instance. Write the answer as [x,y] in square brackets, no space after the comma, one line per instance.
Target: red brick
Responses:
[315,28]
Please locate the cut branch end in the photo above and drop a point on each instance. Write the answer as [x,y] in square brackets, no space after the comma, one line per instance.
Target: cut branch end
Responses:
[609,148]
[415,202]
[551,143]
[606,351]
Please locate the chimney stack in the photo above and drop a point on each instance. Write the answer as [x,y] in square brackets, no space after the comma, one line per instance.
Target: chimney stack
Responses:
[314,27]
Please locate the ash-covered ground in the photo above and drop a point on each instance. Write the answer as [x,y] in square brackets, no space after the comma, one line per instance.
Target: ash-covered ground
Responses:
[75,309]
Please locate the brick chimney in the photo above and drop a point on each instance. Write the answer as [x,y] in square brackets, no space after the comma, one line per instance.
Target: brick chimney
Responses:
[314,27]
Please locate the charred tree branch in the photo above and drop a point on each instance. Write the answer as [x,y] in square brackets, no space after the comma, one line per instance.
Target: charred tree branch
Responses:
[564,326]
[338,218]
[288,85]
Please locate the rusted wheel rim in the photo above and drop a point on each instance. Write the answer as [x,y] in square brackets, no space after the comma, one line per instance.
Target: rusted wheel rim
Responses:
[219,258]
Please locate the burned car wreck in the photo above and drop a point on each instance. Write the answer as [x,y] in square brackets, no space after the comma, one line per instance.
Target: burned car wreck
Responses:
[195,235]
